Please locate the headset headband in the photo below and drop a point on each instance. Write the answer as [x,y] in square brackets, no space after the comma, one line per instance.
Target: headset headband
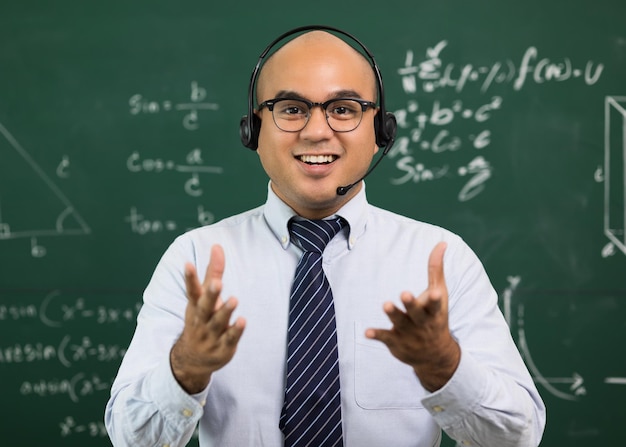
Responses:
[385,123]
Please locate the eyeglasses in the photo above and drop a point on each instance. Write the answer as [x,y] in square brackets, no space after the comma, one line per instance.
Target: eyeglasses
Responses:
[292,115]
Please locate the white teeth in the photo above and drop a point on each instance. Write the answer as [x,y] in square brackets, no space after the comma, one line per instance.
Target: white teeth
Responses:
[317,159]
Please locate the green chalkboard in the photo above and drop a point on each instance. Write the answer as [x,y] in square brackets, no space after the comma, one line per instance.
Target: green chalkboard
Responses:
[119,130]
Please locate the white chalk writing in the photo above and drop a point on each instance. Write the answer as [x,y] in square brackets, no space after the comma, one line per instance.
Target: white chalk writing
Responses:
[140,105]
[426,124]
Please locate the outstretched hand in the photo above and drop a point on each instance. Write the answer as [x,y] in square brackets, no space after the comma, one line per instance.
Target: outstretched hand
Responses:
[208,341]
[420,336]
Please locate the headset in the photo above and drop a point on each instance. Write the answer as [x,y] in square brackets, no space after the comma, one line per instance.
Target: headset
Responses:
[385,125]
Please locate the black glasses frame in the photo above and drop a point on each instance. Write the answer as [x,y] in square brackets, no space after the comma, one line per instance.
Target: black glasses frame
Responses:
[270,103]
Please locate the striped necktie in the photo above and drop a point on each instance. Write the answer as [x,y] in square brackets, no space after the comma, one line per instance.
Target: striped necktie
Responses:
[311,414]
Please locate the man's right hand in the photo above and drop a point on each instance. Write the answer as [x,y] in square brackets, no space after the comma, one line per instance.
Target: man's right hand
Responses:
[208,341]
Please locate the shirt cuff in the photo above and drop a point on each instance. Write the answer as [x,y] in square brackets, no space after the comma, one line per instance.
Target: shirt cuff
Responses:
[456,399]
[172,400]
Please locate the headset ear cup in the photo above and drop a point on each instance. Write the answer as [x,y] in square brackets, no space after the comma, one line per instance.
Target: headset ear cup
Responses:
[385,126]
[379,129]
[249,128]
[391,127]
[244,131]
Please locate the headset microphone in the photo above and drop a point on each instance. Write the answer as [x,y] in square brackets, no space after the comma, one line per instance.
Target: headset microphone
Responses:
[342,190]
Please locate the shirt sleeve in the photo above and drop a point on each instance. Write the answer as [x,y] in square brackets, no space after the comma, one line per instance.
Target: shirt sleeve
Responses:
[491,399]
[147,406]
[154,410]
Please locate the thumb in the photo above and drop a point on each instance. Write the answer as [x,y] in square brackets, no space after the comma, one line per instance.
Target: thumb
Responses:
[436,278]
[215,269]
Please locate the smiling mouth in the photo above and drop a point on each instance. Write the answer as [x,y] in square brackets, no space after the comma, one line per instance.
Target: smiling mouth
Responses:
[317,159]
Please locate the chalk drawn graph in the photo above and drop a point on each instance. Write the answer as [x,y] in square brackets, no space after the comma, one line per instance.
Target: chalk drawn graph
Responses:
[31,204]
[570,386]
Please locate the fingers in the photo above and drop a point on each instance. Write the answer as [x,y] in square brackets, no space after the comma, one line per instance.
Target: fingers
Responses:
[234,332]
[436,277]
[427,304]
[215,269]
[205,297]
[433,299]
[208,340]
[398,318]
[220,320]
[419,310]
[205,300]
[437,293]
[378,334]
[220,329]
[194,289]
[419,333]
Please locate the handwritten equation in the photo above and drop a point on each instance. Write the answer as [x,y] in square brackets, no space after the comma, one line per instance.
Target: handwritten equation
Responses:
[61,349]
[140,224]
[138,104]
[433,73]
[433,124]
[70,426]
[193,165]
[57,310]
[75,388]
[68,351]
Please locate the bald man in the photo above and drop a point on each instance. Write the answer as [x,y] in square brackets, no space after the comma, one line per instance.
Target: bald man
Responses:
[421,343]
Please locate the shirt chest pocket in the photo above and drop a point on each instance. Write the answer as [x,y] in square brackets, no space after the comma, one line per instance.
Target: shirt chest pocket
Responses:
[381,381]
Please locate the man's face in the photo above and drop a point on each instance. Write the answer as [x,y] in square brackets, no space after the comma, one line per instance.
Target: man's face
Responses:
[307,166]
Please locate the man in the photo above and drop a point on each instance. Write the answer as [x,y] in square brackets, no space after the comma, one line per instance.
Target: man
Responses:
[419,340]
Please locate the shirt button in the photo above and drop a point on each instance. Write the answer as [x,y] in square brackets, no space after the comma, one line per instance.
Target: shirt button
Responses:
[187,413]
[284,239]
[438,409]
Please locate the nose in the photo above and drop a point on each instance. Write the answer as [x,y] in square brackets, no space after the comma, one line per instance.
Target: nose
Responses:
[317,126]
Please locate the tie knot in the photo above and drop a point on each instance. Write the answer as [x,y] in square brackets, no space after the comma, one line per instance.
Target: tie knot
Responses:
[314,235]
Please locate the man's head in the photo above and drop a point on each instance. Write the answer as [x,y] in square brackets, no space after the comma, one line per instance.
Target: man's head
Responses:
[306,166]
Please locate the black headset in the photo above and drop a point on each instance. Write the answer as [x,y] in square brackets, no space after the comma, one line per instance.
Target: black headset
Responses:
[385,125]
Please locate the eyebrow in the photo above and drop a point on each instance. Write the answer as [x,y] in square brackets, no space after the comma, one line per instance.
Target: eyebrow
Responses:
[338,94]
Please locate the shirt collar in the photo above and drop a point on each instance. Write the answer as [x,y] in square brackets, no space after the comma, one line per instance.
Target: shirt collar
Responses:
[277,215]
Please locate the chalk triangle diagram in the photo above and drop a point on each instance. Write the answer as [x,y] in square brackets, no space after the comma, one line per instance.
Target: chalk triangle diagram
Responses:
[31,204]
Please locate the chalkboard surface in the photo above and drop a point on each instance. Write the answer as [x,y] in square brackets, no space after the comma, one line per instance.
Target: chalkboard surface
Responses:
[119,130]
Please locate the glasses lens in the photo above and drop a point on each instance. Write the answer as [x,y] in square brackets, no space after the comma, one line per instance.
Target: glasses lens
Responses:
[290,115]
[344,115]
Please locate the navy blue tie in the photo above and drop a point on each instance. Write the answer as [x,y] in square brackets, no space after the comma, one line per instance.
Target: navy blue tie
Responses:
[311,414]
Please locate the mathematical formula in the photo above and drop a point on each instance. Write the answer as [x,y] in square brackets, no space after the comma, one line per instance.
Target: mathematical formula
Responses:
[433,73]
[68,351]
[428,125]
[75,388]
[193,165]
[57,310]
[138,104]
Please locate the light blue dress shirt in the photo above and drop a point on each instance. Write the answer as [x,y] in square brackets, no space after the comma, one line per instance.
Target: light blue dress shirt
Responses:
[490,400]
